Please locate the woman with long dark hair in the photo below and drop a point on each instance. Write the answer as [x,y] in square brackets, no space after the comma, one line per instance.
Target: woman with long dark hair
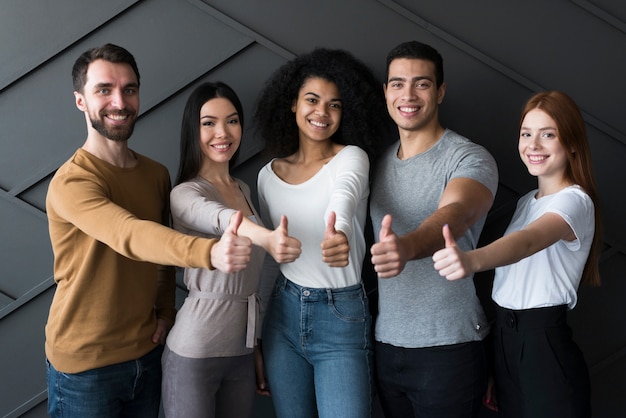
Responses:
[208,363]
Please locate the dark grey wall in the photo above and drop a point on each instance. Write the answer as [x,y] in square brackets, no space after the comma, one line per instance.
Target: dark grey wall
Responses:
[497,53]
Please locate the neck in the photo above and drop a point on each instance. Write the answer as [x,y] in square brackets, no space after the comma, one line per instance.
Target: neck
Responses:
[114,152]
[316,151]
[216,173]
[416,142]
[548,186]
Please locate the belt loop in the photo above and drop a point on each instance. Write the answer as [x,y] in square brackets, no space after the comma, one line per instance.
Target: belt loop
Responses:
[329,295]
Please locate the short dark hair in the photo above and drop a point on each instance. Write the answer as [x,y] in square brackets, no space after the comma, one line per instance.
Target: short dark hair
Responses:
[107,52]
[417,50]
[190,152]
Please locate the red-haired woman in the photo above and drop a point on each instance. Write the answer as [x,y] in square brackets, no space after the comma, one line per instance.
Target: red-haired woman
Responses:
[551,246]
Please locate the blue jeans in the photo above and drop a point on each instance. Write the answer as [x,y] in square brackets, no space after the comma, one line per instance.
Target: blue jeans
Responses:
[443,382]
[318,351]
[129,389]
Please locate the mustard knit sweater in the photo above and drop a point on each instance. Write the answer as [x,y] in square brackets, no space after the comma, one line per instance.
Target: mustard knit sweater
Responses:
[110,250]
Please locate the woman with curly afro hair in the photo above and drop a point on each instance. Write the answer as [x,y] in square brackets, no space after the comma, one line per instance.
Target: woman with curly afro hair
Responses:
[320,115]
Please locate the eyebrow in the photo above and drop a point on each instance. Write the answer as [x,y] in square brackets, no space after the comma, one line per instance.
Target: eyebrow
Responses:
[215,117]
[318,96]
[100,85]
[421,77]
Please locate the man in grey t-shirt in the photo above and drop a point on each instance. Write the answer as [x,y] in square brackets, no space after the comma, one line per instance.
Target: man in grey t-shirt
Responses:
[429,352]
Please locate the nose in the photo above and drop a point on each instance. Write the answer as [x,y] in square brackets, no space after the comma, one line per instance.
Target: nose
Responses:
[534,142]
[321,109]
[220,130]
[117,99]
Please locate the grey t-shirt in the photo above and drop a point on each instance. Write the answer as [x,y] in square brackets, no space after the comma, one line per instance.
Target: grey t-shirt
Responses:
[419,308]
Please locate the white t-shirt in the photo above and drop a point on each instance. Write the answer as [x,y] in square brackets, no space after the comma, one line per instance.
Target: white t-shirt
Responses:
[342,186]
[551,276]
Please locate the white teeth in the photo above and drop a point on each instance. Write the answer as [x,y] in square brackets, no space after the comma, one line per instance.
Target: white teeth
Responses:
[318,124]
[221,146]
[117,117]
[408,109]
[537,158]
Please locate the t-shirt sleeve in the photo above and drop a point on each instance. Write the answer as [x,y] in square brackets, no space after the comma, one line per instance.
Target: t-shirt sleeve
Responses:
[476,163]
[577,209]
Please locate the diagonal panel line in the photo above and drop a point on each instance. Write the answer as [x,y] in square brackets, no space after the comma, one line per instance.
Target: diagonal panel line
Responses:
[601,14]
[497,66]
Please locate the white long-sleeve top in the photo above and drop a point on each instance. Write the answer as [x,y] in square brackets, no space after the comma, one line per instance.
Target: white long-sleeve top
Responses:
[342,186]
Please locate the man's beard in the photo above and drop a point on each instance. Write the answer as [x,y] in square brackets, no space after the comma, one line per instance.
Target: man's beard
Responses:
[117,134]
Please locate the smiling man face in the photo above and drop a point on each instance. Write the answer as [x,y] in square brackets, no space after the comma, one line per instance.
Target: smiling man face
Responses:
[110,99]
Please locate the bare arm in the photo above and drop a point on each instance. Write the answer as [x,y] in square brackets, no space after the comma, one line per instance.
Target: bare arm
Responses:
[282,247]
[463,202]
[453,263]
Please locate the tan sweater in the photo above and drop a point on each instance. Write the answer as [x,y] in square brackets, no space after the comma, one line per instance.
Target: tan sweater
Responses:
[108,240]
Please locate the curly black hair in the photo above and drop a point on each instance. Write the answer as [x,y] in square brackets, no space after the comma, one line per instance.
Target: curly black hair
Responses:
[364,120]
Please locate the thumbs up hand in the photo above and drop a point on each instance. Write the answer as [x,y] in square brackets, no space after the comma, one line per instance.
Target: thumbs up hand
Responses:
[282,247]
[335,246]
[451,262]
[232,252]
[388,255]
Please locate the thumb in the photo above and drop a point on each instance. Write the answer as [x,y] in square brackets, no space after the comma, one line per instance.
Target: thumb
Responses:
[385,228]
[447,236]
[330,224]
[235,221]
[283,224]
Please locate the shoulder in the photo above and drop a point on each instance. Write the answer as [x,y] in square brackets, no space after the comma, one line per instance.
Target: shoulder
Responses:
[147,163]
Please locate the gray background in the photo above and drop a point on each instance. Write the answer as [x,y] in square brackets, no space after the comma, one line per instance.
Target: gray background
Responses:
[496,54]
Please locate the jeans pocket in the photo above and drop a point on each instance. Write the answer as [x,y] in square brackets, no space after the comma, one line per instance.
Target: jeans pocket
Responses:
[350,309]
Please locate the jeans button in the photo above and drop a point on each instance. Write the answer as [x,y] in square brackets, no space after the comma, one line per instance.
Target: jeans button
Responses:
[306,293]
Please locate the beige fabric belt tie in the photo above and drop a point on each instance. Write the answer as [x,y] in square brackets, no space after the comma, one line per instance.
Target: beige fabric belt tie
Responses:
[253,310]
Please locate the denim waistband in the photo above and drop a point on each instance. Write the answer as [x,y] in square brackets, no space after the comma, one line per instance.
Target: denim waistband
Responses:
[313,294]
[527,319]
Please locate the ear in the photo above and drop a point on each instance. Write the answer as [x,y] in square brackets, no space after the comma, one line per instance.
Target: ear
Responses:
[441,92]
[80,101]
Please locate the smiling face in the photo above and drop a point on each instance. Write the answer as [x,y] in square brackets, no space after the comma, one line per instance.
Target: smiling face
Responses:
[220,130]
[540,148]
[412,95]
[317,109]
[110,99]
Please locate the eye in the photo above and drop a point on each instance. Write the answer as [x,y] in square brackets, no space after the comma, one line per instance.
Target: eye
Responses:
[208,123]
[102,91]
[130,91]
[396,85]
[524,135]
[548,135]
[233,121]
[335,106]
[311,100]
[423,85]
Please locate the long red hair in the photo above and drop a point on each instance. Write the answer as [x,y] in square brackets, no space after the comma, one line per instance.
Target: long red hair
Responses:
[573,135]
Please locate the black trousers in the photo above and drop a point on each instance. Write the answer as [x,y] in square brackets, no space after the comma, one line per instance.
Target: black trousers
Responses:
[539,370]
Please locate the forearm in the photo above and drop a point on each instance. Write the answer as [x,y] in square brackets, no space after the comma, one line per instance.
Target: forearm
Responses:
[258,235]
[427,238]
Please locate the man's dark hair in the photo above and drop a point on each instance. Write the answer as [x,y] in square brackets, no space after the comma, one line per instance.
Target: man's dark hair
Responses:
[107,52]
[417,50]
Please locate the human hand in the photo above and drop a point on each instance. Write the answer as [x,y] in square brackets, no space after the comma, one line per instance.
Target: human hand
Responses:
[388,256]
[282,247]
[160,334]
[489,399]
[335,246]
[451,262]
[262,387]
[232,252]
